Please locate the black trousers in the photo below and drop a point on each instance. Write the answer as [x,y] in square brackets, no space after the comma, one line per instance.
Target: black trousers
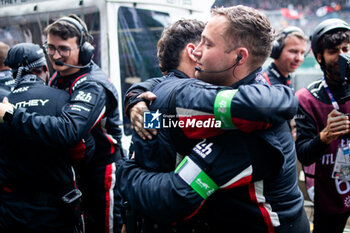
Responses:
[329,223]
[299,225]
[18,213]
[97,184]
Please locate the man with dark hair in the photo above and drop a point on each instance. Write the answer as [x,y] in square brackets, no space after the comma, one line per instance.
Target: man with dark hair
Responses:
[323,127]
[35,177]
[288,52]
[93,107]
[6,80]
[175,48]
[235,177]
[172,59]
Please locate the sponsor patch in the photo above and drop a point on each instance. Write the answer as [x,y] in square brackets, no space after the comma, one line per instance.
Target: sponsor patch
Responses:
[84,96]
[80,110]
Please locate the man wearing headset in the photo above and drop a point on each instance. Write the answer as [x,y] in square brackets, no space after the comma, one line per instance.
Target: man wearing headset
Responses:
[323,127]
[38,190]
[288,52]
[240,170]
[93,107]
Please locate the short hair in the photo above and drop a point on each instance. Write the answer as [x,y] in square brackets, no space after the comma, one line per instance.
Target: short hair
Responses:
[65,29]
[248,28]
[37,70]
[174,39]
[281,38]
[332,39]
[4,48]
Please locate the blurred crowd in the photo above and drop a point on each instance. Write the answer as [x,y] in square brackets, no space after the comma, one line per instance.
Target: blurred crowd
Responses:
[277,4]
[304,14]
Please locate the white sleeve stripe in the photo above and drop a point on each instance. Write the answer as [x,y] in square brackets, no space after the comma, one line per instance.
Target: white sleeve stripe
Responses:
[260,198]
[99,117]
[245,173]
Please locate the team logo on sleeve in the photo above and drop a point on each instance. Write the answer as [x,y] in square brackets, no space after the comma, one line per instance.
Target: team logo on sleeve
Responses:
[203,148]
[83,96]
[152,120]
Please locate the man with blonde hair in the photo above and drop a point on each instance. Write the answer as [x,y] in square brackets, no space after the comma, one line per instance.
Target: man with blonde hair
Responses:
[288,52]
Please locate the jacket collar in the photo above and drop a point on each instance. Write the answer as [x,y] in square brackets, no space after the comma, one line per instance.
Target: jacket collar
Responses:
[178,73]
[248,79]
[273,69]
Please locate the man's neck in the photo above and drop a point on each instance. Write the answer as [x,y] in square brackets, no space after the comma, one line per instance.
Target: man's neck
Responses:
[187,69]
[74,75]
[280,70]
[69,72]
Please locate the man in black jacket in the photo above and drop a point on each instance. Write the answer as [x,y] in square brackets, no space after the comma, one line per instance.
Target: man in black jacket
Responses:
[248,189]
[35,177]
[93,107]
[288,52]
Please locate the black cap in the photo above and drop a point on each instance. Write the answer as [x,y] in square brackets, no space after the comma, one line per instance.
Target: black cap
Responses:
[25,54]
[324,27]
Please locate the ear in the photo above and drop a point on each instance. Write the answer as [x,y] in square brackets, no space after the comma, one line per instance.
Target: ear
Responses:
[45,68]
[190,47]
[44,74]
[319,58]
[244,54]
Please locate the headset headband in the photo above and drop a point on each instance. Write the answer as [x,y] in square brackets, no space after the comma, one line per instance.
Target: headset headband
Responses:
[78,26]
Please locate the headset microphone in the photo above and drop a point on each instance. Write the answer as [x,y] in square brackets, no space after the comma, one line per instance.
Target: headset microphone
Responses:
[61,63]
[214,71]
[239,57]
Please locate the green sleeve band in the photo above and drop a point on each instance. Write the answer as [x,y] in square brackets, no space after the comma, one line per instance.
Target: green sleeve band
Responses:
[181,164]
[203,185]
[222,108]
[193,175]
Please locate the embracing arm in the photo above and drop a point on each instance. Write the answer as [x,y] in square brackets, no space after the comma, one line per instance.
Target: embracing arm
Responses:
[270,104]
[248,108]
[138,88]
[78,117]
[136,101]
[153,193]
[185,190]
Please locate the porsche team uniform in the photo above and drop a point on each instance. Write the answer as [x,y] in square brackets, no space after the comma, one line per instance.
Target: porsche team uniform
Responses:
[232,181]
[273,76]
[92,108]
[35,176]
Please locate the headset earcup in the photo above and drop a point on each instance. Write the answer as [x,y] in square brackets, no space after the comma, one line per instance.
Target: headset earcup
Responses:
[85,54]
[276,50]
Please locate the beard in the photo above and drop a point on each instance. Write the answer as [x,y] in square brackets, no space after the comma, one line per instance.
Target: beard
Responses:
[333,73]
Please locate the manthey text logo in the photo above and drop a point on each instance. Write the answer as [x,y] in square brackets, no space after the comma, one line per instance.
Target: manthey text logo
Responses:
[157,120]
